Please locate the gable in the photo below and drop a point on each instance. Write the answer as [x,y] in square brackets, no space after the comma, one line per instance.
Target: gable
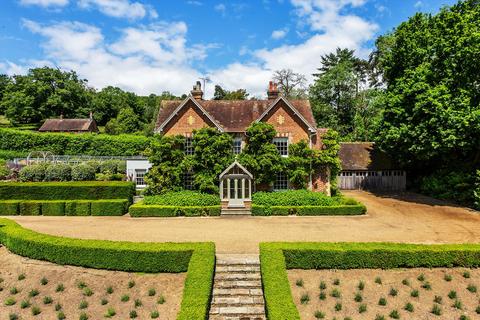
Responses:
[187,119]
[286,123]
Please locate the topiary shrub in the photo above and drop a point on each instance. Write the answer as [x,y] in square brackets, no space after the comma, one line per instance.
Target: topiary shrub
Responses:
[83,172]
[4,170]
[109,166]
[294,198]
[58,172]
[33,173]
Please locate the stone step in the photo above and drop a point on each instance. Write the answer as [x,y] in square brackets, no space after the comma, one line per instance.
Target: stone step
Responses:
[238,300]
[237,261]
[238,284]
[238,311]
[244,317]
[238,268]
[217,292]
[236,212]
[237,276]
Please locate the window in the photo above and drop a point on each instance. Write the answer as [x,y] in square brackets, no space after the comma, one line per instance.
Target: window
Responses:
[188,181]
[140,177]
[281,182]
[237,145]
[282,146]
[188,146]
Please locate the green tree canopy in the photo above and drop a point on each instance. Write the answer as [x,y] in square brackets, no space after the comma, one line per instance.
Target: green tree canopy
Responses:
[222,94]
[432,104]
[126,122]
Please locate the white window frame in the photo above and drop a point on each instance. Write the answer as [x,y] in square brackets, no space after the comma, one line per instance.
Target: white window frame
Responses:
[282,144]
[140,175]
[237,145]
[283,184]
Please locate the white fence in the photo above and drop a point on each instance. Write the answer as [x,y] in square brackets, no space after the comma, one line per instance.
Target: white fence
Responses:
[391,180]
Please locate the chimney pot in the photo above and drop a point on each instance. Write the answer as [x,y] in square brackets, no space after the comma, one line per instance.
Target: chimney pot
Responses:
[272,92]
[197,92]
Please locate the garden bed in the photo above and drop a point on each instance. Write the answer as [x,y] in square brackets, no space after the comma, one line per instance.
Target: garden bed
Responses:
[372,293]
[146,293]
[197,259]
[276,258]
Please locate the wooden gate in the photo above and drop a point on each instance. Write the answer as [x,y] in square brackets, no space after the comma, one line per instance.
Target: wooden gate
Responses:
[391,180]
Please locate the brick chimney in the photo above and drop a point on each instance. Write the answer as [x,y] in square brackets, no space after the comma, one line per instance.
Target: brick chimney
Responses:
[197,92]
[272,92]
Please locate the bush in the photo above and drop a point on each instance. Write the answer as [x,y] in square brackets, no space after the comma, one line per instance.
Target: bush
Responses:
[83,172]
[67,190]
[35,173]
[198,259]
[73,144]
[77,208]
[450,185]
[109,176]
[53,208]
[183,199]
[142,210]
[294,198]
[308,210]
[9,208]
[4,170]
[58,172]
[112,207]
[275,258]
[30,208]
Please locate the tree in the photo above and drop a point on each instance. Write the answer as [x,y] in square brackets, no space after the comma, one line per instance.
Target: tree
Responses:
[292,85]
[222,94]
[260,156]
[4,81]
[126,122]
[212,154]
[46,93]
[432,104]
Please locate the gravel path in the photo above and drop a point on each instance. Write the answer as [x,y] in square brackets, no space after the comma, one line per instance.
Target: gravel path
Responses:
[401,218]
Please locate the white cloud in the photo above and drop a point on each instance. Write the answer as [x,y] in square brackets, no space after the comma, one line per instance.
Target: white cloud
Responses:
[147,59]
[221,8]
[418,4]
[120,8]
[279,34]
[45,3]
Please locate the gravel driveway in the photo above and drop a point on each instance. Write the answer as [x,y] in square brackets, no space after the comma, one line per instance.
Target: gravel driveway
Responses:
[405,217]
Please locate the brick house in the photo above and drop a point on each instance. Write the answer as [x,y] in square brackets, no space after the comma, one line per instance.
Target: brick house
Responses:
[293,120]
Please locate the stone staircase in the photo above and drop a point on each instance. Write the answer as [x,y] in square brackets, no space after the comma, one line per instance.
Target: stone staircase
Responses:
[237,289]
[236,212]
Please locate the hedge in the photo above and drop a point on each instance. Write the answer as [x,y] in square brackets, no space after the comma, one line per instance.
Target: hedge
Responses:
[276,258]
[197,259]
[72,190]
[105,207]
[142,210]
[294,198]
[185,198]
[116,207]
[73,144]
[308,210]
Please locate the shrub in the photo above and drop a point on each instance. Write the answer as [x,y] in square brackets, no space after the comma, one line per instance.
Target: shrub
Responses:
[47,300]
[151,292]
[77,207]
[81,285]
[61,316]
[21,277]
[131,284]
[83,172]
[260,210]
[58,172]
[71,190]
[83,305]
[447,278]
[393,292]
[338,306]
[161,299]
[299,283]
[13,316]
[111,207]
[405,282]
[110,313]
[10,301]
[87,292]
[361,285]
[53,208]
[44,281]
[414,293]
[322,285]
[183,199]
[436,310]
[319,315]
[32,173]
[378,280]
[450,185]
[154,314]
[30,208]
[382,301]
[466,274]
[73,144]
[9,207]
[358,297]
[83,316]
[137,303]
[133,314]
[142,210]
[58,307]
[322,295]
[125,298]
[472,288]
[110,166]
[394,314]
[452,294]
[335,293]
[33,293]
[294,198]
[457,304]
[437,299]
[362,308]
[109,290]
[25,304]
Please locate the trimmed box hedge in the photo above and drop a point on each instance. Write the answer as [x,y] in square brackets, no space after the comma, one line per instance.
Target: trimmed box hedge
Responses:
[197,259]
[358,209]
[111,207]
[30,208]
[276,258]
[9,208]
[53,208]
[71,190]
[77,207]
[143,210]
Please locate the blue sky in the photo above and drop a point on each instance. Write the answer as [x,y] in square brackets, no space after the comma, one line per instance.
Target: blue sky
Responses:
[149,46]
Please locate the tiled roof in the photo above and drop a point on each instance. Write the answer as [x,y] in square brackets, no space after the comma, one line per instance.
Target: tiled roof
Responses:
[69,125]
[364,156]
[235,115]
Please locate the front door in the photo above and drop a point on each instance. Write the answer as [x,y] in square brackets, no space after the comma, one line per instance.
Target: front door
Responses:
[236,198]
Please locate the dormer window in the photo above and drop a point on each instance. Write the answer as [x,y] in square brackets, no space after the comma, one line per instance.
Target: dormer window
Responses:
[282,145]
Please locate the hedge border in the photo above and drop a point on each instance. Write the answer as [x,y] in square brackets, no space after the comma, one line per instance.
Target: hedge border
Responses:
[69,190]
[341,210]
[197,259]
[143,210]
[277,257]
[104,207]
